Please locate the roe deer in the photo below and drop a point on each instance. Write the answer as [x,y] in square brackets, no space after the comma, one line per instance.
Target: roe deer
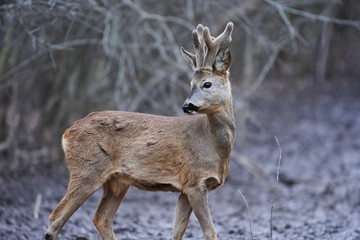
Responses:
[188,154]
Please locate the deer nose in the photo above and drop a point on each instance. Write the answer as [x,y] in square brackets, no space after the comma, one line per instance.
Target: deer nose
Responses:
[189,108]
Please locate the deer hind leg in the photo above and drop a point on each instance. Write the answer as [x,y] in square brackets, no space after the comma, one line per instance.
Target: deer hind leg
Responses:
[199,203]
[112,197]
[78,191]
[183,212]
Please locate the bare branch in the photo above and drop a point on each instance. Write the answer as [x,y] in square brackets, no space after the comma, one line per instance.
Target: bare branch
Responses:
[265,70]
[157,17]
[315,17]
[287,22]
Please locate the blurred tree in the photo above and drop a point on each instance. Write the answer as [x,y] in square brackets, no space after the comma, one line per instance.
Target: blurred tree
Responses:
[60,60]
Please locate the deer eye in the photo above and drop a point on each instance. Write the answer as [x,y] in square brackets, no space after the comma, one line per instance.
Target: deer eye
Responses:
[207,85]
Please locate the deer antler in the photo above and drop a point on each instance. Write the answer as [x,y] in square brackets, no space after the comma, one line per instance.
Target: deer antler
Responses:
[206,47]
[213,45]
[199,45]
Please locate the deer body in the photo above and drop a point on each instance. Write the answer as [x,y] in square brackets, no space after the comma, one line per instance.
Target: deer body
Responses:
[188,154]
[139,149]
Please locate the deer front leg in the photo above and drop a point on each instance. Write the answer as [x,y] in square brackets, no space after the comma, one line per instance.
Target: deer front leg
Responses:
[183,212]
[198,199]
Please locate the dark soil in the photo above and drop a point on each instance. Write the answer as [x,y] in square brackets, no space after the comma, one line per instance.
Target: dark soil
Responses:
[318,195]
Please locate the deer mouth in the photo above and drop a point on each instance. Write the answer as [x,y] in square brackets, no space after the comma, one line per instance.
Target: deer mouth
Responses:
[190,108]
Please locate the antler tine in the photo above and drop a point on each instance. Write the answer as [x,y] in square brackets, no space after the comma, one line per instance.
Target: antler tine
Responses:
[214,45]
[199,45]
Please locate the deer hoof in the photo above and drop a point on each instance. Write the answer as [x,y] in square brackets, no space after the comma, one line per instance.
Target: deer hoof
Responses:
[48,236]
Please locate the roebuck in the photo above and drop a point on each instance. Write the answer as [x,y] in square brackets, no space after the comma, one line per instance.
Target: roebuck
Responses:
[188,154]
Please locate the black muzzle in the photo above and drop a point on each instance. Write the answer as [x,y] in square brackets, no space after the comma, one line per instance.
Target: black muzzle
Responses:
[190,108]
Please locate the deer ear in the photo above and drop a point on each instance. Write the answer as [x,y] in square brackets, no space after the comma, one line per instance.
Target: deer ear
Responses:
[222,60]
[189,57]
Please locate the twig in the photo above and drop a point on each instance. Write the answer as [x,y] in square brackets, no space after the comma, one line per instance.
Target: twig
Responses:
[293,33]
[74,43]
[37,205]
[276,187]
[249,215]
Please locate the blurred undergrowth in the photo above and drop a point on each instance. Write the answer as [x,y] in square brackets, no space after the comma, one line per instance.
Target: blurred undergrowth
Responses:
[60,60]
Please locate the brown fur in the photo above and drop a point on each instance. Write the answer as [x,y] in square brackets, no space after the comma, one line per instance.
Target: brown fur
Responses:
[117,150]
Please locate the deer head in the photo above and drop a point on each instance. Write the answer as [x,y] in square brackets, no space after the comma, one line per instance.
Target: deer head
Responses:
[210,87]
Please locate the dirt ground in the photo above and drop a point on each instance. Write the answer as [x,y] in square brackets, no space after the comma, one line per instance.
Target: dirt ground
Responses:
[318,195]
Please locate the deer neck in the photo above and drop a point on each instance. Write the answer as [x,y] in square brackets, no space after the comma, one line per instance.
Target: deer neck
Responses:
[222,128]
